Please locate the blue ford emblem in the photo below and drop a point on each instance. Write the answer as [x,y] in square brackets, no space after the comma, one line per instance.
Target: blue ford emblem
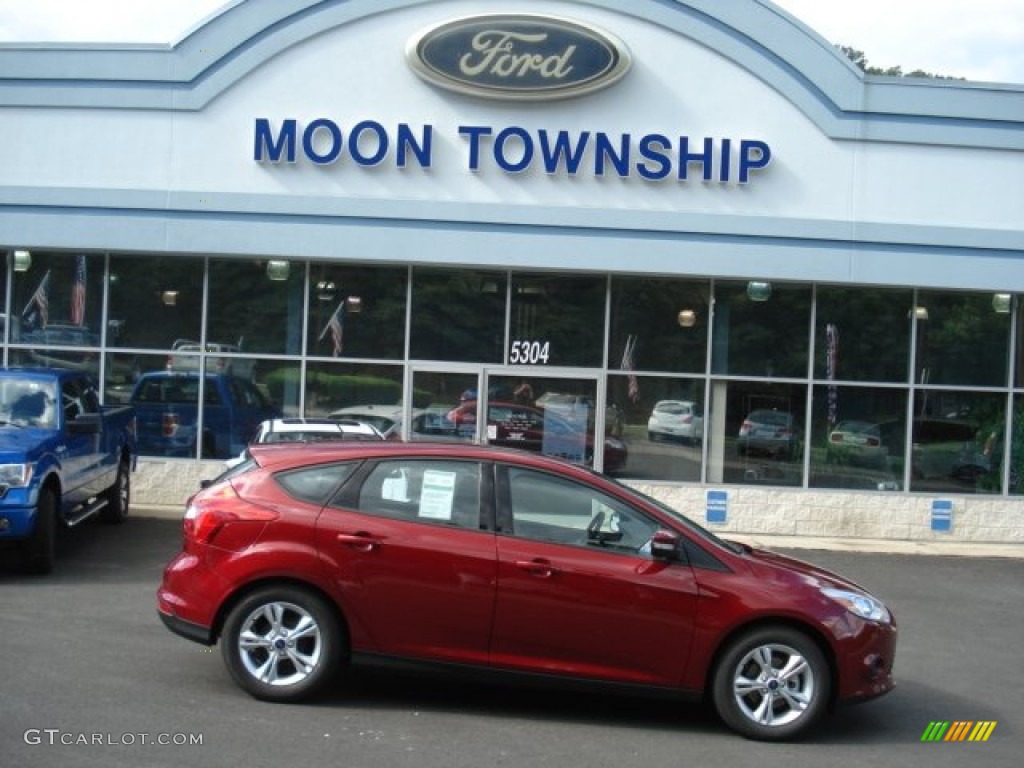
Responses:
[518,57]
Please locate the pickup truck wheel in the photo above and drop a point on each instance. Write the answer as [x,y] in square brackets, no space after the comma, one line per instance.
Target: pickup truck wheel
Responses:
[283,644]
[118,496]
[40,550]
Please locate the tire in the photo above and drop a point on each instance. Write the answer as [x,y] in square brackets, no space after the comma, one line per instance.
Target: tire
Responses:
[283,644]
[771,684]
[118,496]
[40,551]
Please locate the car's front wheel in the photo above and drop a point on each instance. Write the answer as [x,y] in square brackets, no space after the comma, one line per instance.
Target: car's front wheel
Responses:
[283,643]
[771,684]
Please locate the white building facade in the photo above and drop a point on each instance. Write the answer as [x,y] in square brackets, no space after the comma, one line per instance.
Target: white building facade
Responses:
[687,243]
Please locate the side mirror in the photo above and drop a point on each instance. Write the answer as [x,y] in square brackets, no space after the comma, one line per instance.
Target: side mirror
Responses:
[664,545]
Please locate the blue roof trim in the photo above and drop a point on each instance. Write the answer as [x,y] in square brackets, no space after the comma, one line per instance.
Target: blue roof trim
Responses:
[736,255]
[755,34]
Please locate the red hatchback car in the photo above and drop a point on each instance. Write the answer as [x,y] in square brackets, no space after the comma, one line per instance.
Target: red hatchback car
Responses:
[307,557]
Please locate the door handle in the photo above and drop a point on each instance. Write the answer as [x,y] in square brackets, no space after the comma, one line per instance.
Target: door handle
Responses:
[539,568]
[361,541]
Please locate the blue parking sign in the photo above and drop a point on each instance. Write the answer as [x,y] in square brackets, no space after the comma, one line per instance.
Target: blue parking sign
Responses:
[717,506]
[942,515]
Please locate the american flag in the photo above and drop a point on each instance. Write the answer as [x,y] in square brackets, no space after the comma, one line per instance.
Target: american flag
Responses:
[628,364]
[336,325]
[78,293]
[37,311]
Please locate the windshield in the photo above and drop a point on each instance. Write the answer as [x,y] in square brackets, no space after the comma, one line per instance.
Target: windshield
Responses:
[28,402]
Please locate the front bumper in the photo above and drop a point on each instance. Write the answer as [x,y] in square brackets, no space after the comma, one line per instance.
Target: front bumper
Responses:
[865,663]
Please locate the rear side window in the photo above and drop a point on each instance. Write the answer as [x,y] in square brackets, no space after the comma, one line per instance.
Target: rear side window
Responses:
[316,484]
[426,491]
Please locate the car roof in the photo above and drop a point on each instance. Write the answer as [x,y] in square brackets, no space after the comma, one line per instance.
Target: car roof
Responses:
[281,456]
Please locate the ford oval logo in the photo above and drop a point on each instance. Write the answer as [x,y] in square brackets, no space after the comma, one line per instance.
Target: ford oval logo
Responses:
[518,57]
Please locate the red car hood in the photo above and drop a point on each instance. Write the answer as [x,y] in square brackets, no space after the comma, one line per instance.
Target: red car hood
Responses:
[763,560]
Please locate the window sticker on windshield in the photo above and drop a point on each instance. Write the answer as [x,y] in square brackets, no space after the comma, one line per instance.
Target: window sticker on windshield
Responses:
[437,494]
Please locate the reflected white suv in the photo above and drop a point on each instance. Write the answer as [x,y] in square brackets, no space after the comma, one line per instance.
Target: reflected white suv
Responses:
[300,430]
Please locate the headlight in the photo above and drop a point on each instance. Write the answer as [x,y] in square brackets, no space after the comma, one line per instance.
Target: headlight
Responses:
[859,604]
[15,475]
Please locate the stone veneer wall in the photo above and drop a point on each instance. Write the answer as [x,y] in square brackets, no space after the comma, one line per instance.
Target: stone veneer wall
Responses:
[754,511]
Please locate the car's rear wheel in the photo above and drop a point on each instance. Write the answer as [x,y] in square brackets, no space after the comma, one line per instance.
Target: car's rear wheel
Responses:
[772,683]
[283,643]
[118,496]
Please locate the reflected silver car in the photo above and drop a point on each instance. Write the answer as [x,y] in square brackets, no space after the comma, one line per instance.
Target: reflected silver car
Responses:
[771,433]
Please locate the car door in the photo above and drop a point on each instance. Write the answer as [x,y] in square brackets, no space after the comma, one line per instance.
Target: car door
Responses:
[578,591]
[81,457]
[411,550]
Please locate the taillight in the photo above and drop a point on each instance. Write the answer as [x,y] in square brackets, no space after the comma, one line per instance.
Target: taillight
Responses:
[206,518]
[170,424]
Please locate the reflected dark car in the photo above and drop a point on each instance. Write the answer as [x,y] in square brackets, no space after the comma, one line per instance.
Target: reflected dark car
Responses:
[306,558]
[56,335]
[542,430]
[771,433]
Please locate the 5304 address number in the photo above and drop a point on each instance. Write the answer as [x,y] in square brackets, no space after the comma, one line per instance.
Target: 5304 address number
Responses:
[529,352]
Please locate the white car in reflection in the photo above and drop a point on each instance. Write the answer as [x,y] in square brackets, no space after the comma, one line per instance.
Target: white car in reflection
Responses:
[301,430]
[676,419]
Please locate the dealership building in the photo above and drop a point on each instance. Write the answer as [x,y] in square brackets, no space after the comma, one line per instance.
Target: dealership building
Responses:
[686,242]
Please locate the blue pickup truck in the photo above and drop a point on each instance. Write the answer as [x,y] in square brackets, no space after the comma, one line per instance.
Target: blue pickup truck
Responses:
[167,406]
[63,458]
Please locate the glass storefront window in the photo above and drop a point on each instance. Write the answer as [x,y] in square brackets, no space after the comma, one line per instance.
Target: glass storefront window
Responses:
[552,416]
[663,323]
[557,320]
[458,315]
[166,401]
[445,406]
[1016,445]
[661,422]
[955,434]
[256,305]
[154,301]
[354,391]
[761,329]
[961,340]
[910,389]
[1018,313]
[357,311]
[862,334]
[61,305]
[858,438]
[759,436]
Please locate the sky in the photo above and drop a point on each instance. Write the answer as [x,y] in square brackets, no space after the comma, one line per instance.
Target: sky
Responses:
[976,39]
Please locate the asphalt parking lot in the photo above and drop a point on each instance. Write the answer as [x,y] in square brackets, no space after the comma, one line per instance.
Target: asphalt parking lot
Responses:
[92,678]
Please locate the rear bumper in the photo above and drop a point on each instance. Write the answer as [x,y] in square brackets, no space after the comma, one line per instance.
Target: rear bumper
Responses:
[188,598]
[186,629]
